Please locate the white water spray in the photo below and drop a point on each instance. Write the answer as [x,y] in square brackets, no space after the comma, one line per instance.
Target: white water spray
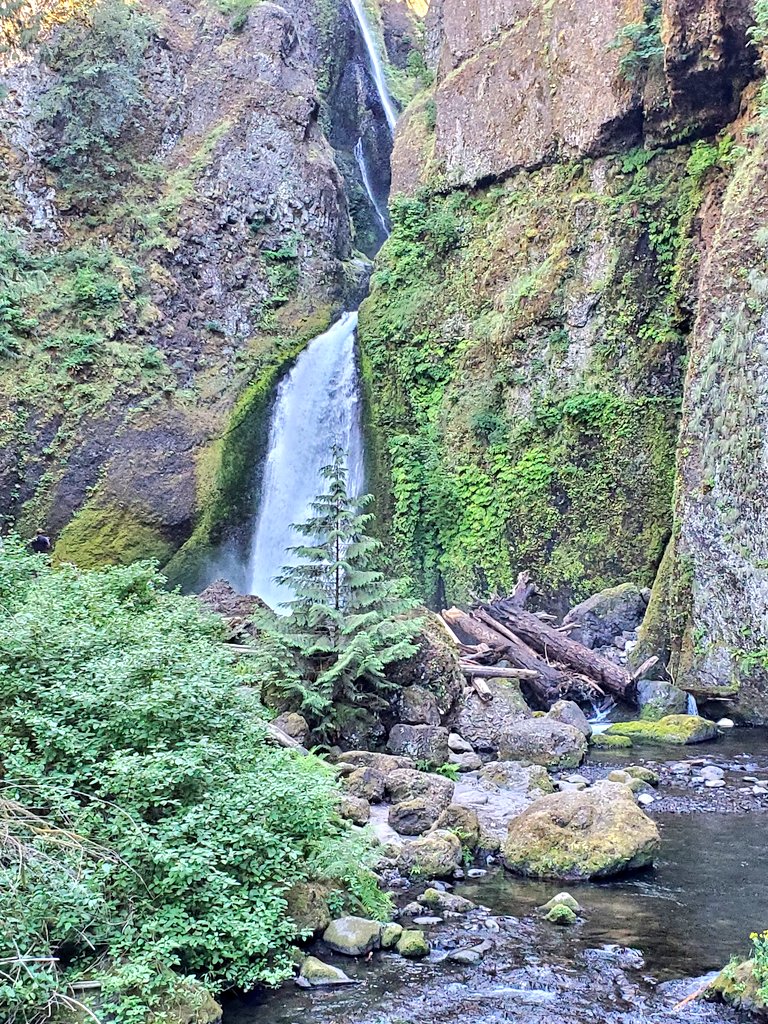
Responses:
[377,70]
[360,157]
[317,405]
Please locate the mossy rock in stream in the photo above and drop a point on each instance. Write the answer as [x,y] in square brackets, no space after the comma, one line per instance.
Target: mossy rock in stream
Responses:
[740,986]
[602,741]
[675,730]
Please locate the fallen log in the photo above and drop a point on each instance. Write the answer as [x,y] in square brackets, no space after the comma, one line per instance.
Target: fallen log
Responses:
[497,672]
[550,643]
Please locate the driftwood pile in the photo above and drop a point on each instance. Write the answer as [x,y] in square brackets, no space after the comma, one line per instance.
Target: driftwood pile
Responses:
[550,664]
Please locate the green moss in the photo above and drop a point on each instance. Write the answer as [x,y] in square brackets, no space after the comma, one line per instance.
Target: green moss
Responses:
[562,915]
[412,944]
[101,535]
[673,729]
[603,741]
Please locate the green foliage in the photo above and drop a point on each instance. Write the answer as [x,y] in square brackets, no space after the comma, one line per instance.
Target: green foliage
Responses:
[643,42]
[157,828]
[345,621]
[448,770]
[760,961]
[92,108]
[758,33]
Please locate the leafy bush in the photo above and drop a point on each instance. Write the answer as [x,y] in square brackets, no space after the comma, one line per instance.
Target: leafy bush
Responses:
[157,828]
[345,621]
[644,39]
[760,957]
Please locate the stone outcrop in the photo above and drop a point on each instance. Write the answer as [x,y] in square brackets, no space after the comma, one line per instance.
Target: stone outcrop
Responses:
[579,835]
[483,720]
[543,741]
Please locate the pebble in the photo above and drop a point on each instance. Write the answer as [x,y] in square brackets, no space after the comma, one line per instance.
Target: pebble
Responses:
[726,723]
[427,920]
[711,771]
[680,768]
[476,872]
[644,799]
[714,783]
[759,790]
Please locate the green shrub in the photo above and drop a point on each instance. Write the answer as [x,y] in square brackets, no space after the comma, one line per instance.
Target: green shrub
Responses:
[157,827]
[643,42]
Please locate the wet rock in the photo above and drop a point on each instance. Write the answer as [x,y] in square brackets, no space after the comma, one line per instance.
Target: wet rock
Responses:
[675,730]
[366,784]
[514,775]
[445,902]
[469,957]
[715,783]
[561,915]
[569,713]
[645,799]
[604,616]
[352,936]
[468,762]
[421,742]
[355,809]
[418,706]
[407,784]
[383,763]
[640,771]
[726,723]
[592,834]
[602,741]
[436,855]
[413,817]
[462,821]
[562,899]
[293,725]
[390,933]
[658,699]
[711,771]
[319,974]
[308,906]
[458,745]
[543,742]
[413,944]
[483,723]
[577,780]
[740,986]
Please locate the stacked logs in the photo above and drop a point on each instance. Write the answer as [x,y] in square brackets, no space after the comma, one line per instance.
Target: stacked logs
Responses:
[549,664]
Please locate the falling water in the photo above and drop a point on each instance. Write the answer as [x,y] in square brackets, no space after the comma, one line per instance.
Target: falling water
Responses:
[692,707]
[360,157]
[317,404]
[376,66]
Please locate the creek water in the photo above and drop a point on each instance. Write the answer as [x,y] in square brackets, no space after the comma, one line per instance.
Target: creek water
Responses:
[317,405]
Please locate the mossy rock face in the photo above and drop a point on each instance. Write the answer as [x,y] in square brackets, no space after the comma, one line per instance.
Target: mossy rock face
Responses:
[738,985]
[594,833]
[675,730]
[308,906]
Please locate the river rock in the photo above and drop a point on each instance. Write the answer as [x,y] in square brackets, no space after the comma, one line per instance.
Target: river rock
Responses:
[307,906]
[352,936]
[484,722]
[569,712]
[445,902]
[711,771]
[390,933]
[421,742]
[601,741]
[413,817]
[436,855]
[525,778]
[561,915]
[544,742]
[726,723]
[468,762]
[458,745]
[591,834]
[562,899]
[293,725]
[645,774]
[434,666]
[658,699]
[675,730]
[366,784]
[463,821]
[412,944]
[383,763]
[418,706]
[606,615]
[319,974]
[407,784]
[355,809]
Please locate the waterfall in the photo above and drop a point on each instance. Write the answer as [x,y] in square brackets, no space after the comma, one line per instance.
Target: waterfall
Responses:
[317,404]
[377,69]
[692,707]
[360,157]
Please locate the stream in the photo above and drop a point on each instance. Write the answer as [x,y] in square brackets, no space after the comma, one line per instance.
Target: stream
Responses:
[642,940]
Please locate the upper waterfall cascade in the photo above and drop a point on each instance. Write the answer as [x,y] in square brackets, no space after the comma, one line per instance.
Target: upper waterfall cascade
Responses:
[317,404]
[368,185]
[377,68]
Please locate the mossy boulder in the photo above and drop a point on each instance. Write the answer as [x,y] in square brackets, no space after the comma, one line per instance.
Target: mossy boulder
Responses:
[412,944]
[352,936]
[308,906]
[483,723]
[366,784]
[355,809]
[463,822]
[593,833]
[569,712]
[643,773]
[562,899]
[675,730]
[525,778]
[544,742]
[320,974]
[421,742]
[602,741]
[390,933]
[608,614]
[561,915]
[738,985]
[413,817]
[408,784]
[659,699]
[434,666]
[436,855]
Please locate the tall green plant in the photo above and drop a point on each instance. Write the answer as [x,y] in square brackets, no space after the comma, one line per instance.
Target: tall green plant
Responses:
[346,623]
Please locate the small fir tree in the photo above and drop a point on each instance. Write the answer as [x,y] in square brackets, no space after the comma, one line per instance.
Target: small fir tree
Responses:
[346,623]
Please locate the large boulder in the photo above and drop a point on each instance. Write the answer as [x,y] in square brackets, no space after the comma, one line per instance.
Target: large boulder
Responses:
[657,699]
[607,615]
[421,742]
[593,833]
[366,784]
[569,713]
[434,666]
[413,817]
[381,762]
[436,855]
[318,974]
[307,906]
[418,706]
[528,779]
[544,742]
[355,809]
[407,784]
[352,936]
[293,725]
[481,722]
[675,730]
[463,822]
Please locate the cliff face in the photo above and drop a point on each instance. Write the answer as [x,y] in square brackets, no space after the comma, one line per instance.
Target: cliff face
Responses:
[176,224]
[581,190]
